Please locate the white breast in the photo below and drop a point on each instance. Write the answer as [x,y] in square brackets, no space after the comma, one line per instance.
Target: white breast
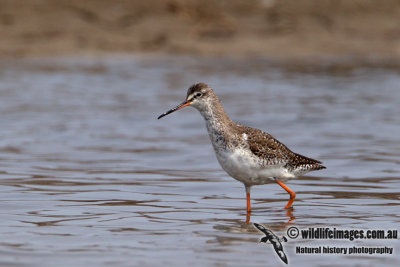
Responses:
[245,167]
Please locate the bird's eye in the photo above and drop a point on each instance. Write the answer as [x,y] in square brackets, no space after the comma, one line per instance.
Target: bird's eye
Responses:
[198,95]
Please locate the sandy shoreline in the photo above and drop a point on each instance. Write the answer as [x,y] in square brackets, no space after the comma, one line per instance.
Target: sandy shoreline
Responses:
[364,31]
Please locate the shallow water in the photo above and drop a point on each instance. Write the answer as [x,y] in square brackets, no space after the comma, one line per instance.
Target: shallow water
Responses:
[89,177]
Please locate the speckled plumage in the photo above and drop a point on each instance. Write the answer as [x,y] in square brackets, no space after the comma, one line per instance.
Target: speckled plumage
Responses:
[249,155]
[265,154]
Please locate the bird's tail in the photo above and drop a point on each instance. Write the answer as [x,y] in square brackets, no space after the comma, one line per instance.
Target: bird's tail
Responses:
[305,164]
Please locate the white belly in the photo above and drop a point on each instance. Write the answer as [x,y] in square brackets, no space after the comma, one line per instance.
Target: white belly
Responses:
[244,166]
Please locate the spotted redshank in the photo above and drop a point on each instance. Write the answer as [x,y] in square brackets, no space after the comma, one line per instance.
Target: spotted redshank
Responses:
[249,155]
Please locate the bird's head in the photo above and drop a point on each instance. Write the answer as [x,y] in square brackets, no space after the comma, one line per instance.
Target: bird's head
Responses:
[199,96]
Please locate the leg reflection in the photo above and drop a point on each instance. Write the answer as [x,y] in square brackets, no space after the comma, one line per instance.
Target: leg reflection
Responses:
[289,214]
[248,216]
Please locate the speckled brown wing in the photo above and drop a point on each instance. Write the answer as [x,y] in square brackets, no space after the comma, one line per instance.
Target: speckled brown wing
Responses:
[265,146]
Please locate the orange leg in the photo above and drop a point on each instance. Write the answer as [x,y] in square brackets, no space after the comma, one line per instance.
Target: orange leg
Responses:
[291,193]
[248,204]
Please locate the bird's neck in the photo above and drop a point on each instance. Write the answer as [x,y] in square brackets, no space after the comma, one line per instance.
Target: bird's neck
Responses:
[215,114]
[218,122]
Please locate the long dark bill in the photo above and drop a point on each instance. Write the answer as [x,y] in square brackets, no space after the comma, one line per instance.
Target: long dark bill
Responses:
[178,107]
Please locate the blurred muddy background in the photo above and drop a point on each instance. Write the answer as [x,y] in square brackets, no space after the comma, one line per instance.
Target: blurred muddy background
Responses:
[284,29]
